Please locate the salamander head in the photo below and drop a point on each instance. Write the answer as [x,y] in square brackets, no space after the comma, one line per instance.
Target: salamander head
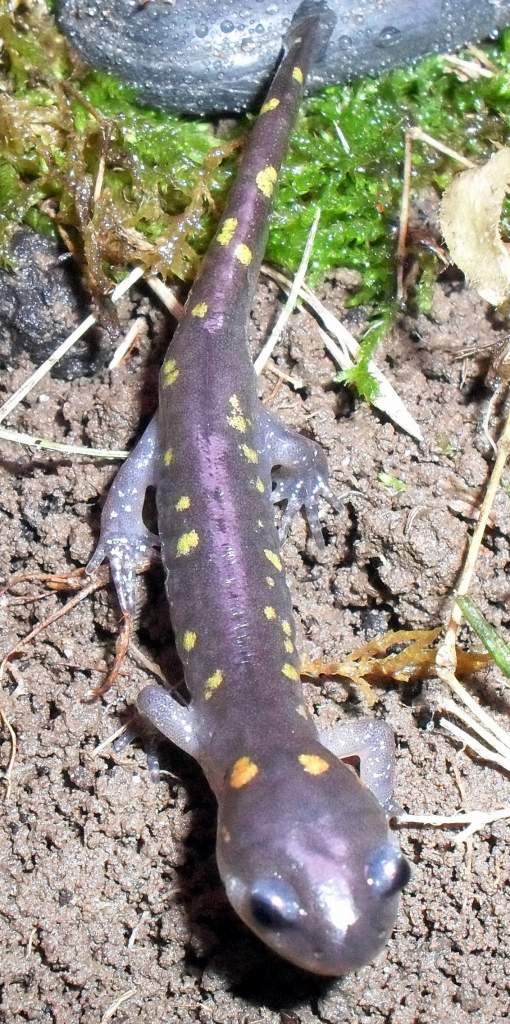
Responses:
[308,861]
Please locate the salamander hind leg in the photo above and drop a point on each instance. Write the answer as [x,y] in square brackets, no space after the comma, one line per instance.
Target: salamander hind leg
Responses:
[125,540]
[299,473]
[159,715]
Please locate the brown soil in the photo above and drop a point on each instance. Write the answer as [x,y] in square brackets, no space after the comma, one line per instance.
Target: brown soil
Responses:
[109,884]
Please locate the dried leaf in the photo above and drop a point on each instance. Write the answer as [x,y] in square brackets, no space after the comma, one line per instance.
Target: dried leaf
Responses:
[470,217]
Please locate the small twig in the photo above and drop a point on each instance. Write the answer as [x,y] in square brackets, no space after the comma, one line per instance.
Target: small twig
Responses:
[419,134]
[166,296]
[112,1010]
[469,69]
[291,300]
[99,179]
[12,756]
[446,658]
[146,662]
[470,821]
[121,649]
[94,584]
[127,343]
[295,382]
[134,934]
[108,741]
[343,141]
[404,215]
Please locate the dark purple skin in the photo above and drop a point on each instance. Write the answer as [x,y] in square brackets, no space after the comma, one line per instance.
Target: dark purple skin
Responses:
[304,847]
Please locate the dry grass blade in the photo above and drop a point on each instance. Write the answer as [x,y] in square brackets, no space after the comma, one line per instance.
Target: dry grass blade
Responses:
[42,444]
[127,343]
[469,821]
[112,1010]
[344,349]
[61,350]
[471,743]
[291,300]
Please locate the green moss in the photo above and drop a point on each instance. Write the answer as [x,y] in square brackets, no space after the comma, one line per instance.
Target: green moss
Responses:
[165,178]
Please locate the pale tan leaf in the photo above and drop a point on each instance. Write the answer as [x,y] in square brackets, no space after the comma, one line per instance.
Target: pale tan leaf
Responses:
[470,218]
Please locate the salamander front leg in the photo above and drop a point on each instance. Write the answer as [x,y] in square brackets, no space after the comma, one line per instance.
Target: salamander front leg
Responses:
[372,741]
[300,473]
[125,540]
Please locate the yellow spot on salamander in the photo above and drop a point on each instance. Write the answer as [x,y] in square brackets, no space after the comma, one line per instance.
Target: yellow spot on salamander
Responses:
[287,628]
[269,612]
[227,231]
[244,771]
[297,75]
[238,422]
[270,581]
[290,672]
[289,646]
[189,640]
[170,372]
[269,105]
[168,457]
[183,503]
[313,764]
[266,180]
[273,558]
[259,485]
[301,710]
[186,543]
[200,309]
[235,403]
[212,683]
[243,254]
[225,834]
[249,453]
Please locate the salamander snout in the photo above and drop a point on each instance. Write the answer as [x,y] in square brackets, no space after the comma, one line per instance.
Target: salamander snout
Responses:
[313,869]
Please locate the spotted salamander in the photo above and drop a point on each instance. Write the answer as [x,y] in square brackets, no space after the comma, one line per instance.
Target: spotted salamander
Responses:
[304,847]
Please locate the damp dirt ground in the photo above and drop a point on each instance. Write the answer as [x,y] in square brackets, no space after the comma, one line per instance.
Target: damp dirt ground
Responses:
[108,883]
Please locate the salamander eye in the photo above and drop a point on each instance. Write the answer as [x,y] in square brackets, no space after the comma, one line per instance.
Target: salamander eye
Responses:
[274,904]
[388,871]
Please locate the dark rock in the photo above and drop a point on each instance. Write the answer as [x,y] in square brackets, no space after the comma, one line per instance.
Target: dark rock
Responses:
[203,57]
[41,302]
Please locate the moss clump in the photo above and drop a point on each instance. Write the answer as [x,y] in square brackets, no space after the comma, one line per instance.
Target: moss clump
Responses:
[77,153]
[165,178]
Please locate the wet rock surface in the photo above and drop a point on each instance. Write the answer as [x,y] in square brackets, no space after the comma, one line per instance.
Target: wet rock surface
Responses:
[198,57]
[41,302]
